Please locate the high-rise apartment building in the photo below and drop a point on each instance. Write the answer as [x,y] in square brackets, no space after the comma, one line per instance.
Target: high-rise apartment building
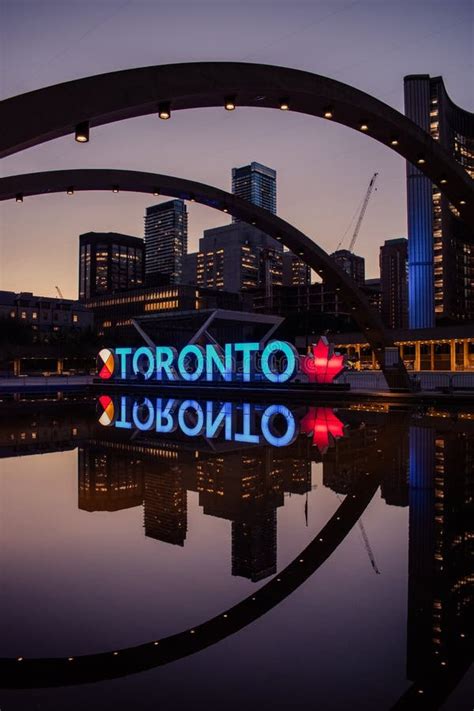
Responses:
[352,264]
[394,282]
[166,241]
[109,262]
[440,250]
[255,183]
[236,257]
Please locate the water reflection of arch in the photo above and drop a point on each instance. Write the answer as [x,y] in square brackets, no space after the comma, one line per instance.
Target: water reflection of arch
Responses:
[54,111]
[28,673]
[367,318]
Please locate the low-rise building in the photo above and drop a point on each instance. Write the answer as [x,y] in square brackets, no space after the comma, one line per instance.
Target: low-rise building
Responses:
[45,316]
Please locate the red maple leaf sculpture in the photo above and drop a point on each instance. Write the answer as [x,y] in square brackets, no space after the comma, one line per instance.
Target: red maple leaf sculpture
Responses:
[322,366]
[322,423]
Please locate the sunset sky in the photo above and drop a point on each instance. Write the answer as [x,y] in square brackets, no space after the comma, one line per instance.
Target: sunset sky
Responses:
[323,168]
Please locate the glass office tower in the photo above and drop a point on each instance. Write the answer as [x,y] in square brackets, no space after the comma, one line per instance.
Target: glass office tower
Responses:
[440,246]
[166,242]
[109,262]
[255,183]
[394,282]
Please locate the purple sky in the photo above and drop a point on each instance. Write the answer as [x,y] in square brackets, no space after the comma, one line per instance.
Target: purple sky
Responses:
[323,168]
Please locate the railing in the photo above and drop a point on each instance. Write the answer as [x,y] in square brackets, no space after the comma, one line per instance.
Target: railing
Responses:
[44,381]
[429,380]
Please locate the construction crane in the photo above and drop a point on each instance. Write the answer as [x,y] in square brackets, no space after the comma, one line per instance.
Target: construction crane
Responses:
[365,202]
[59,292]
[367,545]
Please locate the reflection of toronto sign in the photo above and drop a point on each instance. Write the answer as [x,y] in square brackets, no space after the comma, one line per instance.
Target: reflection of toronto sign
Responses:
[249,423]
[277,362]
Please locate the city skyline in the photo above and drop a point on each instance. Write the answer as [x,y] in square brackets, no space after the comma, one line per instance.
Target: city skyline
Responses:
[311,158]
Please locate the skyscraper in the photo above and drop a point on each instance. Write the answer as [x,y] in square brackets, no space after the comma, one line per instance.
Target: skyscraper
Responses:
[352,264]
[394,282]
[166,241]
[109,262]
[440,251]
[255,183]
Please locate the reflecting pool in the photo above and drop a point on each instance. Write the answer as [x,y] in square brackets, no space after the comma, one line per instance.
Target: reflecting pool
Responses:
[172,553]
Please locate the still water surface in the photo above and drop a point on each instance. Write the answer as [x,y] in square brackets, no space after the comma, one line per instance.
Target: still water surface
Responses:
[118,536]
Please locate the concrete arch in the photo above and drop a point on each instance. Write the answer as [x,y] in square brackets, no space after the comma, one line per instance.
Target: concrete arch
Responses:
[62,671]
[45,114]
[93,179]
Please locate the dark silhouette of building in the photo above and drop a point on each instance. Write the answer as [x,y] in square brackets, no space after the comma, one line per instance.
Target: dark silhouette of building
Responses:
[352,264]
[255,183]
[118,311]
[312,298]
[109,262]
[165,504]
[295,271]
[44,317]
[245,488]
[373,290]
[254,546]
[394,282]
[166,241]
[440,252]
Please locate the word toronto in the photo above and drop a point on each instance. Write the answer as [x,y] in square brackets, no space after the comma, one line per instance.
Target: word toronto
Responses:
[276,362]
[276,424]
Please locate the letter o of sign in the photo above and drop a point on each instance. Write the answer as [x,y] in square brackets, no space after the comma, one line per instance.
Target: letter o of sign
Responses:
[291,360]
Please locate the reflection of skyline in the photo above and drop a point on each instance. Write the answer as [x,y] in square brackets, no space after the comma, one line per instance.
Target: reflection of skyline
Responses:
[244,487]
[441,555]
[431,467]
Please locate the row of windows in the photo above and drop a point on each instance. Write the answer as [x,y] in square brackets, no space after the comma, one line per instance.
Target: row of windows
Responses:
[46,315]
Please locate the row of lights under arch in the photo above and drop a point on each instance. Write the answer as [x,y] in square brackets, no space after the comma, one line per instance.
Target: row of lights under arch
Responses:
[82,131]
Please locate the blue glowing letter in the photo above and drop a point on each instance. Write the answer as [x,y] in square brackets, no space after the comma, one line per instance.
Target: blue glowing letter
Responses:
[289,435]
[168,425]
[122,353]
[246,349]
[223,365]
[198,352]
[246,436]
[291,356]
[151,415]
[147,353]
[164,360]
[213,427]
[122,422]
[197,428]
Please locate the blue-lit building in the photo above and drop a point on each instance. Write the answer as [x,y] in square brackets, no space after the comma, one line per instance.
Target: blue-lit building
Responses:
[440,246]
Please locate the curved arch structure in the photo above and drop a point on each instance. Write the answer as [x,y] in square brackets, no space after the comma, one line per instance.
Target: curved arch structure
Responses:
[41,672]
[92,179]
[42,115]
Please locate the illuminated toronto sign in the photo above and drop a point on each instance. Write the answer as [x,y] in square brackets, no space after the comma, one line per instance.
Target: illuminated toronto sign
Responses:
[248,423]
[277,362]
